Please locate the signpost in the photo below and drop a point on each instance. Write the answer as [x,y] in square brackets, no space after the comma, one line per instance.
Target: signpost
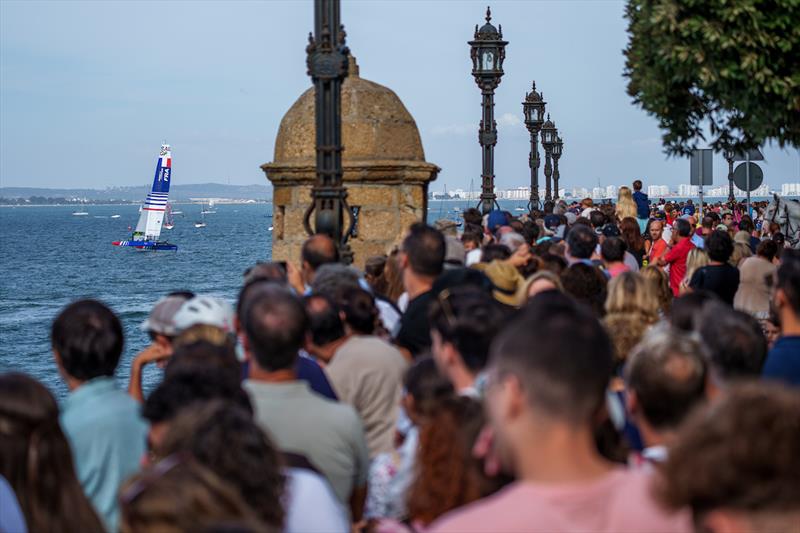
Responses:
[701,167]
[747,169]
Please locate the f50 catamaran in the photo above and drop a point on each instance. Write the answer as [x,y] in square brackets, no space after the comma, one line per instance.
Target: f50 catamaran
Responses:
[148,229]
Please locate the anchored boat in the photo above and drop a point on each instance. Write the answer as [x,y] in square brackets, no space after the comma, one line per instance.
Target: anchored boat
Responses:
[151,217]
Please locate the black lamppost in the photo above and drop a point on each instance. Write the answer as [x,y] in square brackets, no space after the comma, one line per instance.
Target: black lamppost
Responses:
[729,158]
[488,50]
[558,149]
[327,66]
[548,140]
[533,108]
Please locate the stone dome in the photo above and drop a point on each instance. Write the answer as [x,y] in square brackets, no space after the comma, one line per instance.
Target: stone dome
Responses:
[375,126]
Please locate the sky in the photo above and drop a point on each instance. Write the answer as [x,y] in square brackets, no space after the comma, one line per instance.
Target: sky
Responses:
[89,90]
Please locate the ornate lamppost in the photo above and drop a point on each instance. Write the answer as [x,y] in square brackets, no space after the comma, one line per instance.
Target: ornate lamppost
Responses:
[533,109]
[729,158]
[558,149]
[327,65]
[548,140]
[487,50]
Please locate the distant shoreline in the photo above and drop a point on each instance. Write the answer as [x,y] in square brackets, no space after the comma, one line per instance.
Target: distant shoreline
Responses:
[87,205]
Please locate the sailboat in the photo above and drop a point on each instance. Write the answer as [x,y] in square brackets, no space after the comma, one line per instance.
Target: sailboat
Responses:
[81,212]
[148,229]
[202,222]
[208,210]
[169,223]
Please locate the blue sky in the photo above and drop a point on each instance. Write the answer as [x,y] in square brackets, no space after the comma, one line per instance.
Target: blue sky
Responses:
[88,90]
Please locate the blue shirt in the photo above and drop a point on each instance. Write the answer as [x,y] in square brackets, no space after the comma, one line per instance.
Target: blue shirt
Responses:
[642,204]
[688,209]
[108,438]
[783,361]
[11,519]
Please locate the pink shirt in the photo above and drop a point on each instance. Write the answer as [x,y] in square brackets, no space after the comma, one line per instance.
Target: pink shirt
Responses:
[618,502]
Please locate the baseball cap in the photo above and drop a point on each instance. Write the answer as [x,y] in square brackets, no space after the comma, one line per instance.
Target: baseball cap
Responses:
[162,318]
[206,310]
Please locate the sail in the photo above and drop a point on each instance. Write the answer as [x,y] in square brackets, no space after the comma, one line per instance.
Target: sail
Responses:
[149,226]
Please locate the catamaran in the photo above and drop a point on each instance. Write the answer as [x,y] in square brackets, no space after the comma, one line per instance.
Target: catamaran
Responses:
[148,229]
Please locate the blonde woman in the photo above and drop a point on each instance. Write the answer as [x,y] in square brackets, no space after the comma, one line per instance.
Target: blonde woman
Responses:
[659,284]
[626,207]
[697,259]
[631,308]
[544,280]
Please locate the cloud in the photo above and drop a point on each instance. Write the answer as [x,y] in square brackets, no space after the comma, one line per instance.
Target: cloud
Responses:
[455,129]
[508,119]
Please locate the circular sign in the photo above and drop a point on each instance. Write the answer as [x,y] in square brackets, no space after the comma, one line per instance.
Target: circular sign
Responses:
[740,177]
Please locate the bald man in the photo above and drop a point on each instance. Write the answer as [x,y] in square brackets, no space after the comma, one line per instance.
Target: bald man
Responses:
[318,250]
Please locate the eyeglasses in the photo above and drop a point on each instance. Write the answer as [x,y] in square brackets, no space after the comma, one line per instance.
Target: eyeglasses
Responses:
[158,471]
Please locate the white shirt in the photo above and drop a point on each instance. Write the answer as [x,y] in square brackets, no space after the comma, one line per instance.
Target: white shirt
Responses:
[311,505]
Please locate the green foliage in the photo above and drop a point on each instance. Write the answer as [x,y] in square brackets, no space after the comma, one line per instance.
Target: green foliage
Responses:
[735,63]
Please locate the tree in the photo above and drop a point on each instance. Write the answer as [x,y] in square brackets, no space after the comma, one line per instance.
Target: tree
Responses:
[734,63]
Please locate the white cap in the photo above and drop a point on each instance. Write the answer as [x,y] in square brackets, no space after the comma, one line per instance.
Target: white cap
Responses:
[205,310]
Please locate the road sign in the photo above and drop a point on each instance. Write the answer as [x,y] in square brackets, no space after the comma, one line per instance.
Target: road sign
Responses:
[754,155]
[701,167]
[740,177]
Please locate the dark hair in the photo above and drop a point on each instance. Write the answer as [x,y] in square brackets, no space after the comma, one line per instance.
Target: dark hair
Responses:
[789,282]
[426,385]
[719,246]
[88,338]
[183,389]
[224,438]
[324,323]
[767,249]
[708,222]
[318,250]
[637,185]
[373,274]
[275,325]
[587,284]
[683,228]
[270,270]
[187,295]
[631,234]
[469,319]
[359,310]
[473,216]
[746,224]
[473,237]
[530,230]
[582,242]
[425,248]
[554,263]
[667,372]
[597,218]
[36,460]
[569,388]
[494,251]
[613,249]
[687,307]
[735,341]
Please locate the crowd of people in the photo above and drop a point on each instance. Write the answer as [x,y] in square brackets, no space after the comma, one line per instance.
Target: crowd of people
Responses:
[628,367]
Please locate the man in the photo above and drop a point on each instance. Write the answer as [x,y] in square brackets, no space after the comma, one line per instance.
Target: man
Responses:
[642,205]
[464,321]
[421,261]
[581,244]
[318,250]
[542,408]
[736,466]
[659,246]
[676,257]
[688,209]
[666,378]
[727,220]
[101,422]
[783,361]
[365,371]
[327,433]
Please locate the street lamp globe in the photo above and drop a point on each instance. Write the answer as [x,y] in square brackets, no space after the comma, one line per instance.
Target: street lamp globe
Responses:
[488,51]
[558,146]
[548,133]
[533,109]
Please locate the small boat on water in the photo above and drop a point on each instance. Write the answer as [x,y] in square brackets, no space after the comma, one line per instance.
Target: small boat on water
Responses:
[151,217]
[114,216]
[202,222]
[80,213]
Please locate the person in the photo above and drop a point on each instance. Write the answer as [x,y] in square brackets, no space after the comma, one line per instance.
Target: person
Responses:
[783,362]
[665,380]
[642,206]
[223,437]
[718,276]
[463,324]
[179,494]
[735,342]
[421,261]
[448,474]
[160,327]
[631,308]
[688,208]
[613,253]
[727,220]
[317,250]
[581,244]
[658,246]
[329,434]
[659,285]
[632,236]
[697,259]
[625,207]
[587,284]
[756,275]
[676,257]
[541,408]
[102,423]
[720,468]
[541,281]
[365,371]
[746,225]
[36,461]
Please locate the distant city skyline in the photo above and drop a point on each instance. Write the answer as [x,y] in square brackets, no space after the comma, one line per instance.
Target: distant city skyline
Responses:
[89,89]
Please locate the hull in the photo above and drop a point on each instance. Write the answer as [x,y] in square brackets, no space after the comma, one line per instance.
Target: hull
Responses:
[149,245]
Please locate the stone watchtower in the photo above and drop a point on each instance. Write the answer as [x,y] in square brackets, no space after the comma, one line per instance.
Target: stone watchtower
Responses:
[385,171]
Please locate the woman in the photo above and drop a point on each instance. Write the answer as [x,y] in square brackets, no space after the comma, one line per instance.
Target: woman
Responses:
[629,228]
[697,259]
[659,285]
[626,206]
[36,460]
[631,308]
[755,281]
[544,280]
